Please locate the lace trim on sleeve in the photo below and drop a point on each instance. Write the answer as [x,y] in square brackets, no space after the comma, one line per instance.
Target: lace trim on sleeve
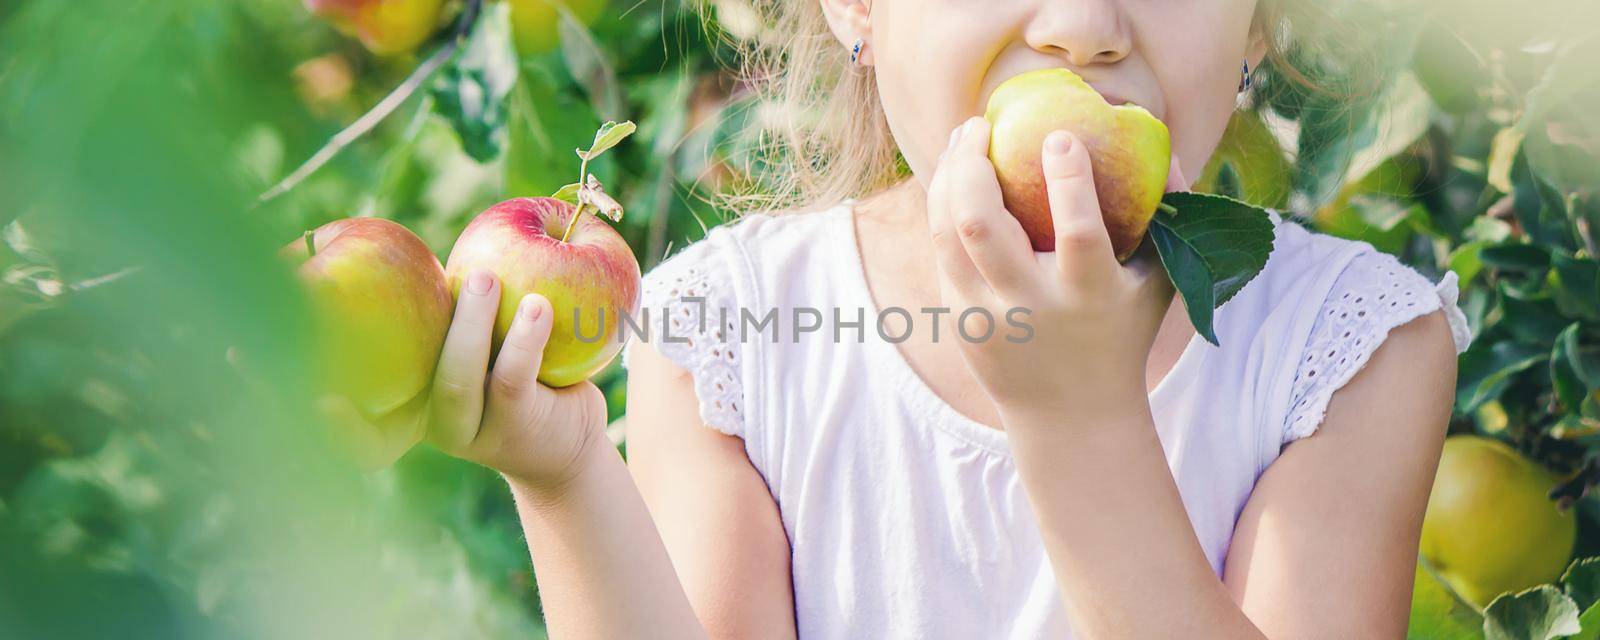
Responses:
[1374,295]
[703,345]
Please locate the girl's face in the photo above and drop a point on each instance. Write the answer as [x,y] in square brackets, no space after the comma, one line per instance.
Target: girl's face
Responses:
[936,61]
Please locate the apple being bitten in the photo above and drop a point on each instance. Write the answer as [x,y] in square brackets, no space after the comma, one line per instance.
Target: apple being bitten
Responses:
[383,308]
[591,274]
[1129,150]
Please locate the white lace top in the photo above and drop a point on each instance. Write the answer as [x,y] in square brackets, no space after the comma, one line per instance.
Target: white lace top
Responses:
[906,518]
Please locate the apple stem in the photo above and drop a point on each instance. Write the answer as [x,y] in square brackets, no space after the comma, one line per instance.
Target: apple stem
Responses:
[1169,209]
[583,172]
[311,244]
[573,222]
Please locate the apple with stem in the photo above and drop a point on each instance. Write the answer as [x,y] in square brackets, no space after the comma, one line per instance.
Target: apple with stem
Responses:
[383,308]
[549,246]
[1129,149]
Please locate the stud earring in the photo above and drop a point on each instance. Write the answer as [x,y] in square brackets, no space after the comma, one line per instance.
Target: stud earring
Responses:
[1244,77]
[855,52]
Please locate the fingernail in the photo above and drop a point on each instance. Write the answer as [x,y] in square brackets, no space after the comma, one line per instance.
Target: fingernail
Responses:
[479,283]
[530,308]
[1058,143]
[955,135]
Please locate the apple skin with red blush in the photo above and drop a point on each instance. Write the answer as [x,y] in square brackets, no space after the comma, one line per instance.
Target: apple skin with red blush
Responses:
[1129,150]
[591,279]
[382,309]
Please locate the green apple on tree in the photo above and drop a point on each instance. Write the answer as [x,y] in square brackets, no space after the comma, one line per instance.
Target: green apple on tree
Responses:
[1129,150]
[384,27]
[1490,527]
[535,24]
[578,262]
[382,308]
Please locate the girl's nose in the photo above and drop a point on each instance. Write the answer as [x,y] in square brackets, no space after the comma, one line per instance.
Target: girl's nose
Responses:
[1081,32]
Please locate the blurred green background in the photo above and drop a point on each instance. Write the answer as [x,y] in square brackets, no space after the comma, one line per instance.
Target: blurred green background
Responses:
[163,474]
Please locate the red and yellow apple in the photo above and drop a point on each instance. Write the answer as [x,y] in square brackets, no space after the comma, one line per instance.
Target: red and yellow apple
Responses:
[591,279]
[1490,526]
[385,27]
[1129,150]
[383,308]
[535,24]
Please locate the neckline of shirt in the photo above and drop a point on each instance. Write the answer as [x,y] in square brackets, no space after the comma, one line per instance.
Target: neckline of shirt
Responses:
[941,414]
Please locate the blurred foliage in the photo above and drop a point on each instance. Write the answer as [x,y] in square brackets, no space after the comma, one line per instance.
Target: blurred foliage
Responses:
[162,475]
[161,472]
[1482,157]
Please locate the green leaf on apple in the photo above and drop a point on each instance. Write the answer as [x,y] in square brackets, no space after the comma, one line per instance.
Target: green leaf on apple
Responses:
[1540,613]
[1212,246]
[568,194]
[607,137]
[470,93]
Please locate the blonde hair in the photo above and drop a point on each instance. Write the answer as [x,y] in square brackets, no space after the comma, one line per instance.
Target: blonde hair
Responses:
[820,134]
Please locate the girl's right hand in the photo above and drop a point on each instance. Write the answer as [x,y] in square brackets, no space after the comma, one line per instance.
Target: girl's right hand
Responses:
[502,418]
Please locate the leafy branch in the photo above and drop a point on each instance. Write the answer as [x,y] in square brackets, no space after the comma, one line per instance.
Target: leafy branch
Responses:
[383,109]
[1211,246]
[587,192]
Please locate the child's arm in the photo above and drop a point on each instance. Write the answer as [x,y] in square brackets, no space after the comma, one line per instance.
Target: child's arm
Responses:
[715,513]
[1336,552]
[600,564]
[1327,544]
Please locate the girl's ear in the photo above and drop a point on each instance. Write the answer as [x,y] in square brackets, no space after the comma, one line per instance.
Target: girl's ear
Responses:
[851,20]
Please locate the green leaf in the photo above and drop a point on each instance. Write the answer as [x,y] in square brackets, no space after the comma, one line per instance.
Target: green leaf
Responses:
[1486,229]
[568,193]
[547,123]
[1502,154]
[1342,141]
[1448,69]
[1561,123]
[1487,367]
[1517,257]
[1212,247]
[1540,613]
[1582,582]
[471,92]
[607,137]
[1387,214]
[1589,622]
[1538,207]
[1437,614]
[1575,370]
[1467,260]
[1535,321]
[589,64]
[1575,285]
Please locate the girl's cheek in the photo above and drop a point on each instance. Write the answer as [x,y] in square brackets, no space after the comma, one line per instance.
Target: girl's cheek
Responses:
[933,72]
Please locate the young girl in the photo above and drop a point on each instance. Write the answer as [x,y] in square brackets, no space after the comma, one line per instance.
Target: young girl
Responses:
[1112,475]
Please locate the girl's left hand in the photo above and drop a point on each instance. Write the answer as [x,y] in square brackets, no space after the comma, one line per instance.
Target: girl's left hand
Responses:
[1093,320]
